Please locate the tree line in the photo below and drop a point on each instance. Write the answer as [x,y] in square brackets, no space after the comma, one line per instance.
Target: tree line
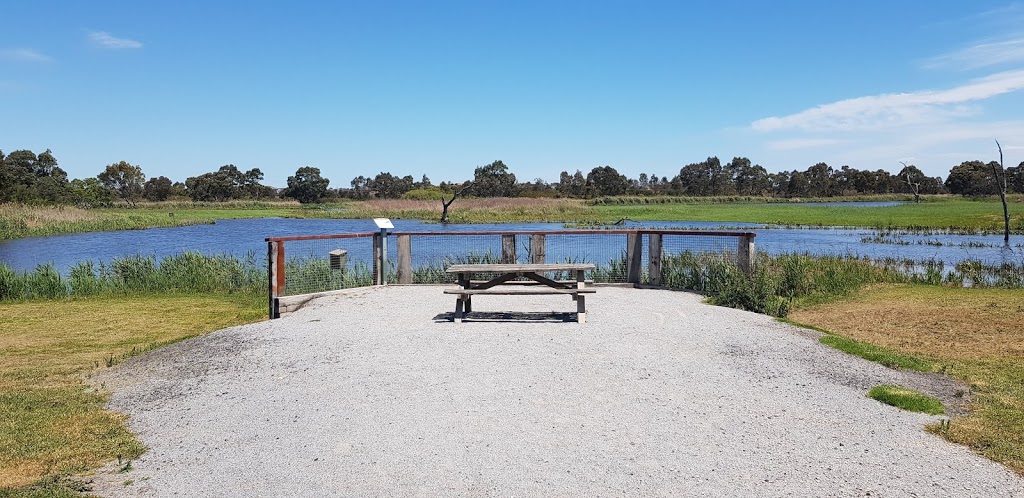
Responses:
[31,178]
[706,178]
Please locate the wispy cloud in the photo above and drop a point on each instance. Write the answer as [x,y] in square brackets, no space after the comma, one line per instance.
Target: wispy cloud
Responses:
[802,143]
[980,55]
[106,40]
[23,54]
[895,109]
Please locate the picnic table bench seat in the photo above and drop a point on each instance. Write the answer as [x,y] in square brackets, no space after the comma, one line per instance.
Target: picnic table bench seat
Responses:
[505,283]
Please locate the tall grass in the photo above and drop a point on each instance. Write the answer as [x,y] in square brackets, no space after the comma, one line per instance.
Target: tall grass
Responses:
[22,220]
[779,283]
[475,210]
[186,272]
[311,275]
[776,284]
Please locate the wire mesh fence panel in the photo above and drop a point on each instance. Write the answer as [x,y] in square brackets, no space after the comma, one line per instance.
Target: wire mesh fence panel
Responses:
[325,264]
[607,251]
[690,261]
[432,254]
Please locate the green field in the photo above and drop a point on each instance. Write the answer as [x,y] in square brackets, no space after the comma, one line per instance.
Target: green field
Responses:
[937,212]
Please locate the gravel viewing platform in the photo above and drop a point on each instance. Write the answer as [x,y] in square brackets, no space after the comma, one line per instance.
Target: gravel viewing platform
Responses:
[374,392]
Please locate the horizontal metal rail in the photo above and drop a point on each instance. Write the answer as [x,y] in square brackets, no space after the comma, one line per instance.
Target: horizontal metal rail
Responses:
[622,231]
[320,237]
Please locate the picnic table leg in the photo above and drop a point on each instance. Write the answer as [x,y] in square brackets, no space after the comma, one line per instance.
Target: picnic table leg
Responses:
[581,300]
[458,309]
[465,279]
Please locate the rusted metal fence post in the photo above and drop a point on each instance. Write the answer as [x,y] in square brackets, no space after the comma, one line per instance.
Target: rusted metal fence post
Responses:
[537,248]
[275,277]
[508,249]
[404,259]
[745,253]
[634,255]
[654,259]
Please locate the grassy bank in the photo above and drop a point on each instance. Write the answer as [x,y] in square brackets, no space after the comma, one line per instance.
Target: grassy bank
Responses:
[974,335]
[939,212]
[53,423]
[19,221]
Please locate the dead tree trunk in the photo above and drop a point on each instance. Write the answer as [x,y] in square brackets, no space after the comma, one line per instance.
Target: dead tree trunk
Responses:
[446,203]
[1000,174]
[914,187]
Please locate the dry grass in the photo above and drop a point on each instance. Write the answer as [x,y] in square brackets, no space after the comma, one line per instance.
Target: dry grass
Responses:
[51,422]
[476,210]
[38,216]
[471,203]
[972,334]
[937,322]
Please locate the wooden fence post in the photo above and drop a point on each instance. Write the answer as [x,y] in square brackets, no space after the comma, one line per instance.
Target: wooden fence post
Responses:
[508,249]
[745,253]
[379,261]
[537,254]
[634,255]
[404,259]
[654,259]
[275,277]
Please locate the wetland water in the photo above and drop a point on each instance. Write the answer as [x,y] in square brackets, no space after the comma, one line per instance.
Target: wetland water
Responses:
[246,237]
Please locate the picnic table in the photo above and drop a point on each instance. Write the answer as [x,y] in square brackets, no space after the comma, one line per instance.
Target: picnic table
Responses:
[505,279]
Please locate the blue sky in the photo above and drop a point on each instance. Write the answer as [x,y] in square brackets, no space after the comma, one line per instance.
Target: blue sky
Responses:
[438,88]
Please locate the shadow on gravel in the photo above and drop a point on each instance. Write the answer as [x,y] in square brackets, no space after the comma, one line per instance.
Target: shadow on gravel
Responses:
[509,316]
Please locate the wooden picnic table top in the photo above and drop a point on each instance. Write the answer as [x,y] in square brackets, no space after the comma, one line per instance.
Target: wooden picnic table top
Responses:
[517,267]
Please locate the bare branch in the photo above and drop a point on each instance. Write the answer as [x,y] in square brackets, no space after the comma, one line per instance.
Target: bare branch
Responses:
[998,171]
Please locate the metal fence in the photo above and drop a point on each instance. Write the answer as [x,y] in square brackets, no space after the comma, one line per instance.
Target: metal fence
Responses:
[313,264]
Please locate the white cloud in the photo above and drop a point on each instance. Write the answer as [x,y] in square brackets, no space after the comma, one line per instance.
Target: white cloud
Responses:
[22,54]
[106,40]
[933,147]
[981,55]
[895,109]
[802,143]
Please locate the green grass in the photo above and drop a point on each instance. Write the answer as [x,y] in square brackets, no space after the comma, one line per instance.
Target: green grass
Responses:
[53,425]
[907,399]
[49,487]
[938,212]
[877,354]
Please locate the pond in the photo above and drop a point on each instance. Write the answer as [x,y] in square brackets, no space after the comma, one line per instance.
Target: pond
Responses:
[246,237]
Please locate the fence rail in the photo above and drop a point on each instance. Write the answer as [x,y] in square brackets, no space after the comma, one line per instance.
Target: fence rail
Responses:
[311,264]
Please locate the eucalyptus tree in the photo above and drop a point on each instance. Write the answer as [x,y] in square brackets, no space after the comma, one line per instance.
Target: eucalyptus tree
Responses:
[124,179]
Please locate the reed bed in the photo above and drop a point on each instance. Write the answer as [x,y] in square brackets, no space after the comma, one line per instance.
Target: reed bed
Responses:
[19,220]
[188,272]
[475,210]
[776,285]
[234,204]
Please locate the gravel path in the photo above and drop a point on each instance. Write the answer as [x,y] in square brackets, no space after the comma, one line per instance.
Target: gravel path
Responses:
[372,393]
